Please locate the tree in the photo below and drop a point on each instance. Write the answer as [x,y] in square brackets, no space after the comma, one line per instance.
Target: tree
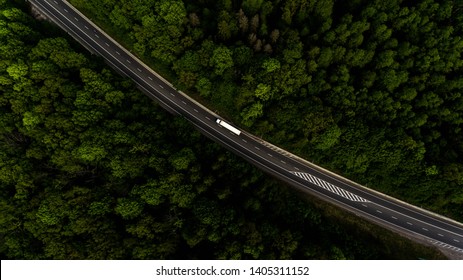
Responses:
[221,60]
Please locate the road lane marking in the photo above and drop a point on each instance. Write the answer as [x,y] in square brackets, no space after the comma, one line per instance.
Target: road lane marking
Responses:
[96,35]
[282,161]
[76,19]
[208,118]
[456,240]
[364,205]
[395,218]
[269,155]
[150,78]
[66,11]
[196,110]
[128,61]
[257,148]
[329,186]
[425,229]
[86,27]
[118,53]
[441,235]
[56,2]
[379,211]
[183,102]
[172,94]
[160,86]
[106,44]
[244,141]
[139,70]
[296,168]
[409,223]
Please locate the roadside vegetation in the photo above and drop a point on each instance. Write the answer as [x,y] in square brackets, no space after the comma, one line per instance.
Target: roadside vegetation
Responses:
[90,170]
[370,89]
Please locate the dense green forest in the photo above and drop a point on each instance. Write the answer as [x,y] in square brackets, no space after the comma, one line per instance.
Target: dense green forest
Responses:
[370,89]
[90,170]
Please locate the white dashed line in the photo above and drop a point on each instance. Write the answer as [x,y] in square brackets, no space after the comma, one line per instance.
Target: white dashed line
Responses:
[244,141]
[282,161]
[183,102]
[76,19]
[364,205]
[139,70]
[66,11]
[379,211]
[257,148]
[118,53]
[56,2]
[296,168]
[395,218]
[195,110]
[106,44]
[269,155]
[160,86]
[208,118]
[150,78]
[86,27]
[441,235]
[96,35]
[456,240]
[425,229]
[173,95]
[128,61]
[409,223]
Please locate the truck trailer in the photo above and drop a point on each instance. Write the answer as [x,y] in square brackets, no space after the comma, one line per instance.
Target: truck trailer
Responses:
[228,127]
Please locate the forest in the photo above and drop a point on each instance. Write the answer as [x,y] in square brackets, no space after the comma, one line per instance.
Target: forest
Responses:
[369,89]
[90,170]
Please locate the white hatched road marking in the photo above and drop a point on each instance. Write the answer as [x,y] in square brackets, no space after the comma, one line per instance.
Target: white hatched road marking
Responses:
[445,245]
[329,187]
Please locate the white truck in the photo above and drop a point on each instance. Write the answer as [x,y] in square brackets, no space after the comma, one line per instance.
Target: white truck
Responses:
[228,126]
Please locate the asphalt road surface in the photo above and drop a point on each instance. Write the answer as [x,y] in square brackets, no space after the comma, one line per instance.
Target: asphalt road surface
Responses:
[378,208]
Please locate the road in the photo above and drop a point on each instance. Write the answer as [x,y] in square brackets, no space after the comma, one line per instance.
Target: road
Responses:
[406,219]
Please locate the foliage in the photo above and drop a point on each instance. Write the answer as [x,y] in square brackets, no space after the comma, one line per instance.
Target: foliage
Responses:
[383,78]
[90,170]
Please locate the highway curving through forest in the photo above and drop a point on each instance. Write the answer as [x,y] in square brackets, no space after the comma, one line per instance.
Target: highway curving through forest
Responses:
[403,218]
